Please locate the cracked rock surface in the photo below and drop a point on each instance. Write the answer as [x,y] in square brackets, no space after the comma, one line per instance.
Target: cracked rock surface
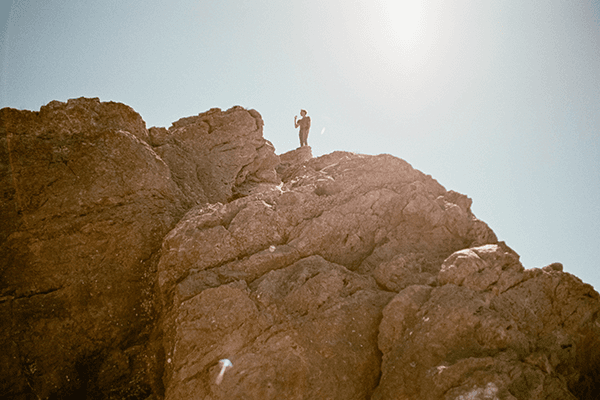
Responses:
[491,330]
[216,155]
[86,203]
[133,260]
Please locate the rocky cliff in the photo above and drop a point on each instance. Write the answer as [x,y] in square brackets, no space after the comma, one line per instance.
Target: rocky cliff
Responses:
[132,261]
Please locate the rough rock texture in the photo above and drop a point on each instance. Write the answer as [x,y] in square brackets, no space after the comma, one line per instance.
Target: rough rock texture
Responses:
[306,331]
[492,330]
[367,222]
[291,159]
[132,261]
[85,205]
[216,155]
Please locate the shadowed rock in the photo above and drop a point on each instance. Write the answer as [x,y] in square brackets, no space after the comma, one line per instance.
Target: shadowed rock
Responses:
[86,204]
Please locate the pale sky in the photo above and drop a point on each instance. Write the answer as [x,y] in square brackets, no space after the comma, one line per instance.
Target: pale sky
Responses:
[499,100]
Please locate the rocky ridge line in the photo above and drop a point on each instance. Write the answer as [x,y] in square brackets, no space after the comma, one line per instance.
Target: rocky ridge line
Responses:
[132,260]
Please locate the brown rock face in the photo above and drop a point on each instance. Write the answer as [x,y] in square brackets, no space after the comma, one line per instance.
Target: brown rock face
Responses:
[492,331]
[305,331]
[138,264]
[303,265]
[292,160]
[86,203]
[216,155]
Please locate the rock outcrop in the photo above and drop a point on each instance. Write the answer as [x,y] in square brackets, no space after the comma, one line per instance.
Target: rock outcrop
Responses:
[132,261]
[86,203]
[216,156]
[490,330]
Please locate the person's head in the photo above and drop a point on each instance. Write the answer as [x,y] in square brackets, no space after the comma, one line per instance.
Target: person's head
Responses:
[303,112]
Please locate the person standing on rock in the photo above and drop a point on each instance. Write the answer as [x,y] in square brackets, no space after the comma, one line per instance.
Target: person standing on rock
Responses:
[304,124]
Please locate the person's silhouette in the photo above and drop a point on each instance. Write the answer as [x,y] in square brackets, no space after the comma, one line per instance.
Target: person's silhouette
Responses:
[304,124]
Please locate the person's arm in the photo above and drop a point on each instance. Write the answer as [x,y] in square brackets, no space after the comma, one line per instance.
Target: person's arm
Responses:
[296,121]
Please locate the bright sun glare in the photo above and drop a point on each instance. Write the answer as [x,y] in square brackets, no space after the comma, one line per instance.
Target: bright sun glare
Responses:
[404,21]
[407,34]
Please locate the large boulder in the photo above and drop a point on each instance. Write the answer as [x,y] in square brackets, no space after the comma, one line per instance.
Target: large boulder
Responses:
[85,205]
[493,330]
[217,155]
